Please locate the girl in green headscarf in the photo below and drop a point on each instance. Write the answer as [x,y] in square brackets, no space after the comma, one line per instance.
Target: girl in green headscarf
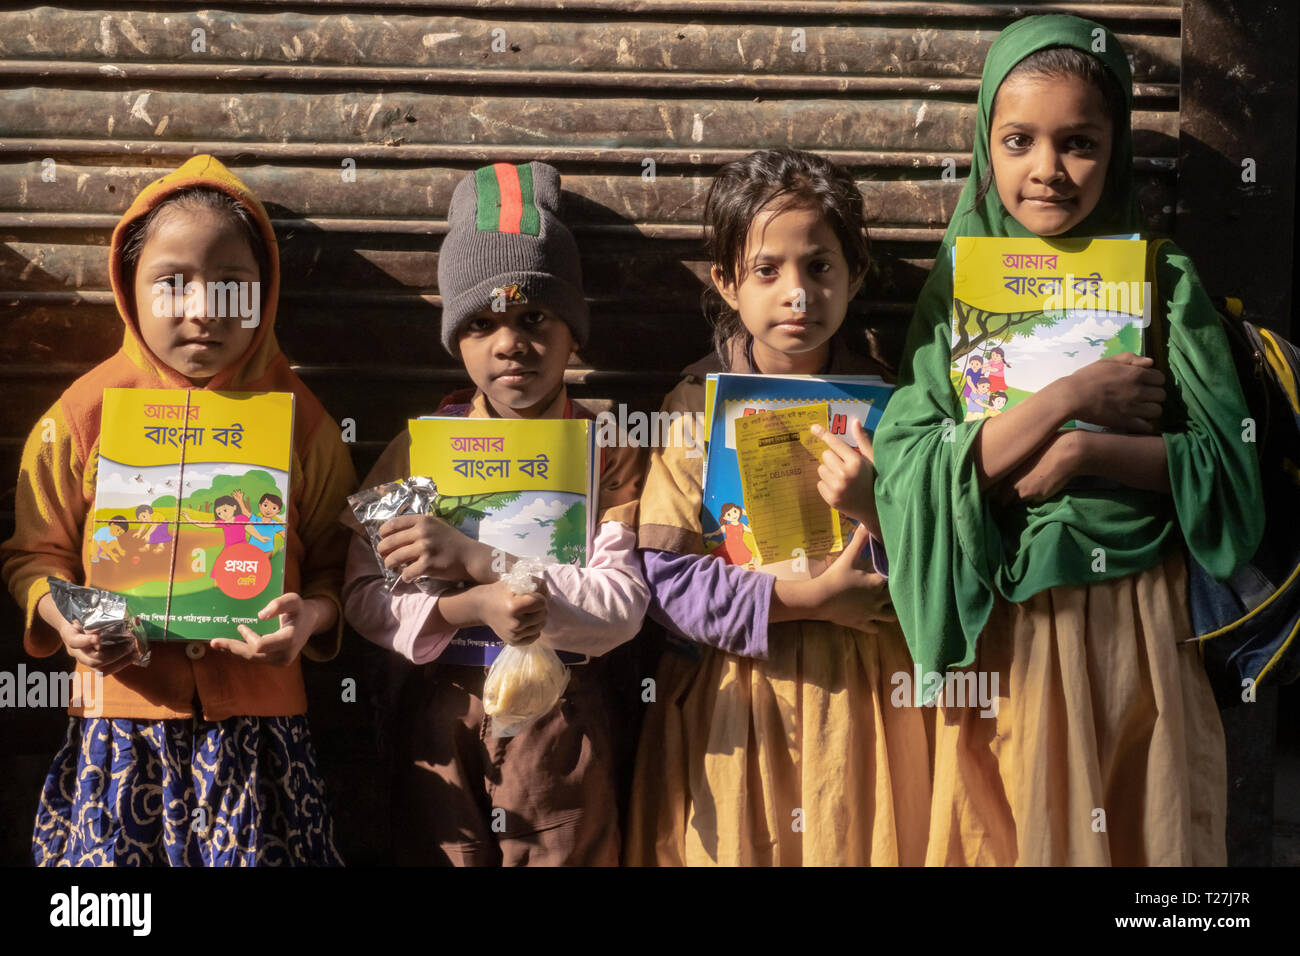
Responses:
[1106,747]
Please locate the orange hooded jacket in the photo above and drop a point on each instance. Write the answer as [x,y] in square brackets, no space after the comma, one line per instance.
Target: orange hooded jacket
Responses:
[56,490]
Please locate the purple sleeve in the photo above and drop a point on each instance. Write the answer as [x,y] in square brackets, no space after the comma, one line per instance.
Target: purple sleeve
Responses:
[706,600]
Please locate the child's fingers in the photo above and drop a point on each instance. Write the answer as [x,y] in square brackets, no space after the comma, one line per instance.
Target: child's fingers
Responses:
[1151,392]
[845,469]
[78,638]
[874,581]
[1129,358]
[863,440]
[832,474]
[1148,410]
[401,538]
[402,556]
[532,619]
[400,523]
[1140,426]
[853,550]
[528,603]
[841,449]
[249,649]
[824,490]
[89,659]
[284,604]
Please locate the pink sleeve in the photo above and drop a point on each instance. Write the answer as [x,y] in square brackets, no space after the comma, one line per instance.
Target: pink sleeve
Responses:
[405,620]
[593,610]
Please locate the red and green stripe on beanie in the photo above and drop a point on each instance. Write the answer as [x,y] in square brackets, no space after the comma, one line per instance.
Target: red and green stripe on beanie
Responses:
[505,200]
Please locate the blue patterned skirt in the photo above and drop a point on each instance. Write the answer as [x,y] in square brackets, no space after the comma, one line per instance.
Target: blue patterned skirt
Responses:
[185,792]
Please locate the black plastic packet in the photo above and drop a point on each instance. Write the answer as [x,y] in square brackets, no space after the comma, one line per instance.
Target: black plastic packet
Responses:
[374,506]
[103,613]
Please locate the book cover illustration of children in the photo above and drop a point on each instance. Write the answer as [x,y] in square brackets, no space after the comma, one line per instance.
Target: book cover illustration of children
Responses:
[738,546]
[977,402]
[105,540]
[971,376]
[153,532]
[262,533]
[221,546]
[995,367]
[182,470]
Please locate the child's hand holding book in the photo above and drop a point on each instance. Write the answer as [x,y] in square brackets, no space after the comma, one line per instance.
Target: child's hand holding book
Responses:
[848,476]
[843,594]
[300,618]
[1124,392]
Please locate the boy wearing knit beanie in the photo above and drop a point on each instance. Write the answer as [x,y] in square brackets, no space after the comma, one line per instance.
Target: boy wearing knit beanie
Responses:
[513,313]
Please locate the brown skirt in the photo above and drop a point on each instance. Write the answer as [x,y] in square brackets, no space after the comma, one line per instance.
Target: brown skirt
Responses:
[799,759]
[1106,748]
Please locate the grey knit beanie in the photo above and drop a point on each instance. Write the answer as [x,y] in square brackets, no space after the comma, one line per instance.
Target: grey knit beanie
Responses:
[507,244]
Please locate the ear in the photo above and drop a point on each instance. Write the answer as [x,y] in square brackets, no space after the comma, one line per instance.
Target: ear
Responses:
[728,292]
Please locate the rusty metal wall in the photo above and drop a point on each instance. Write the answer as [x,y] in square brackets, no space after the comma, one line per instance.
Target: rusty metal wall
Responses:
[415,94]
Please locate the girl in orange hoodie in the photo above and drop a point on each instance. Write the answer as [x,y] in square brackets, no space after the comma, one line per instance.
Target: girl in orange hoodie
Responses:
[204,756]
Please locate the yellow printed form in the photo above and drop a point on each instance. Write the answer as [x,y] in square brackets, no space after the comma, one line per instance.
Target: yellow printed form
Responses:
[778,458]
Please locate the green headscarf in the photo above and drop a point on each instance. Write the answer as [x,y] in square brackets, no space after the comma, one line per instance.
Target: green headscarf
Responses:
[951,549]
[1117,210]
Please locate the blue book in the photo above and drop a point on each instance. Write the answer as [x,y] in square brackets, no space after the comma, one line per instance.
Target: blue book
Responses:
[724,518]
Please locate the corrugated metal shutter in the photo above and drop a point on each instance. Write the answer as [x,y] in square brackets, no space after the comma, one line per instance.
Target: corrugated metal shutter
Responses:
[418,92]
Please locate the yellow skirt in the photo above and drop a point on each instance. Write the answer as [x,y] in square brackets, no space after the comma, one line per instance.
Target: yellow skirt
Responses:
[797,760]
[1106,748]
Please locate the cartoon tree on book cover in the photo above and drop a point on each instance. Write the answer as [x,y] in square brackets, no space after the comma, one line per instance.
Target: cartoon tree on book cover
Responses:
[191,493]
[1029,311]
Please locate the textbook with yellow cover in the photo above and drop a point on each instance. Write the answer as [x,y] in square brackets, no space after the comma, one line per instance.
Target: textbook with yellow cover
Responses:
[191,498]
[525,486]
[1029,311]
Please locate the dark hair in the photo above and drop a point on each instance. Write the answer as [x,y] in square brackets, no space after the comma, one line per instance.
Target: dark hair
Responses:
[775,179]
[141,509]
[188,199]
[274,499]
[1057,62]
[118,521]
[722,512]
[999,394]
[224,500]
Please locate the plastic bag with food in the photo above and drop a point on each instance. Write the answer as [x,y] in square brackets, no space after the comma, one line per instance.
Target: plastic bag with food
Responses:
[103,613]
[523,683]
[373,507]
